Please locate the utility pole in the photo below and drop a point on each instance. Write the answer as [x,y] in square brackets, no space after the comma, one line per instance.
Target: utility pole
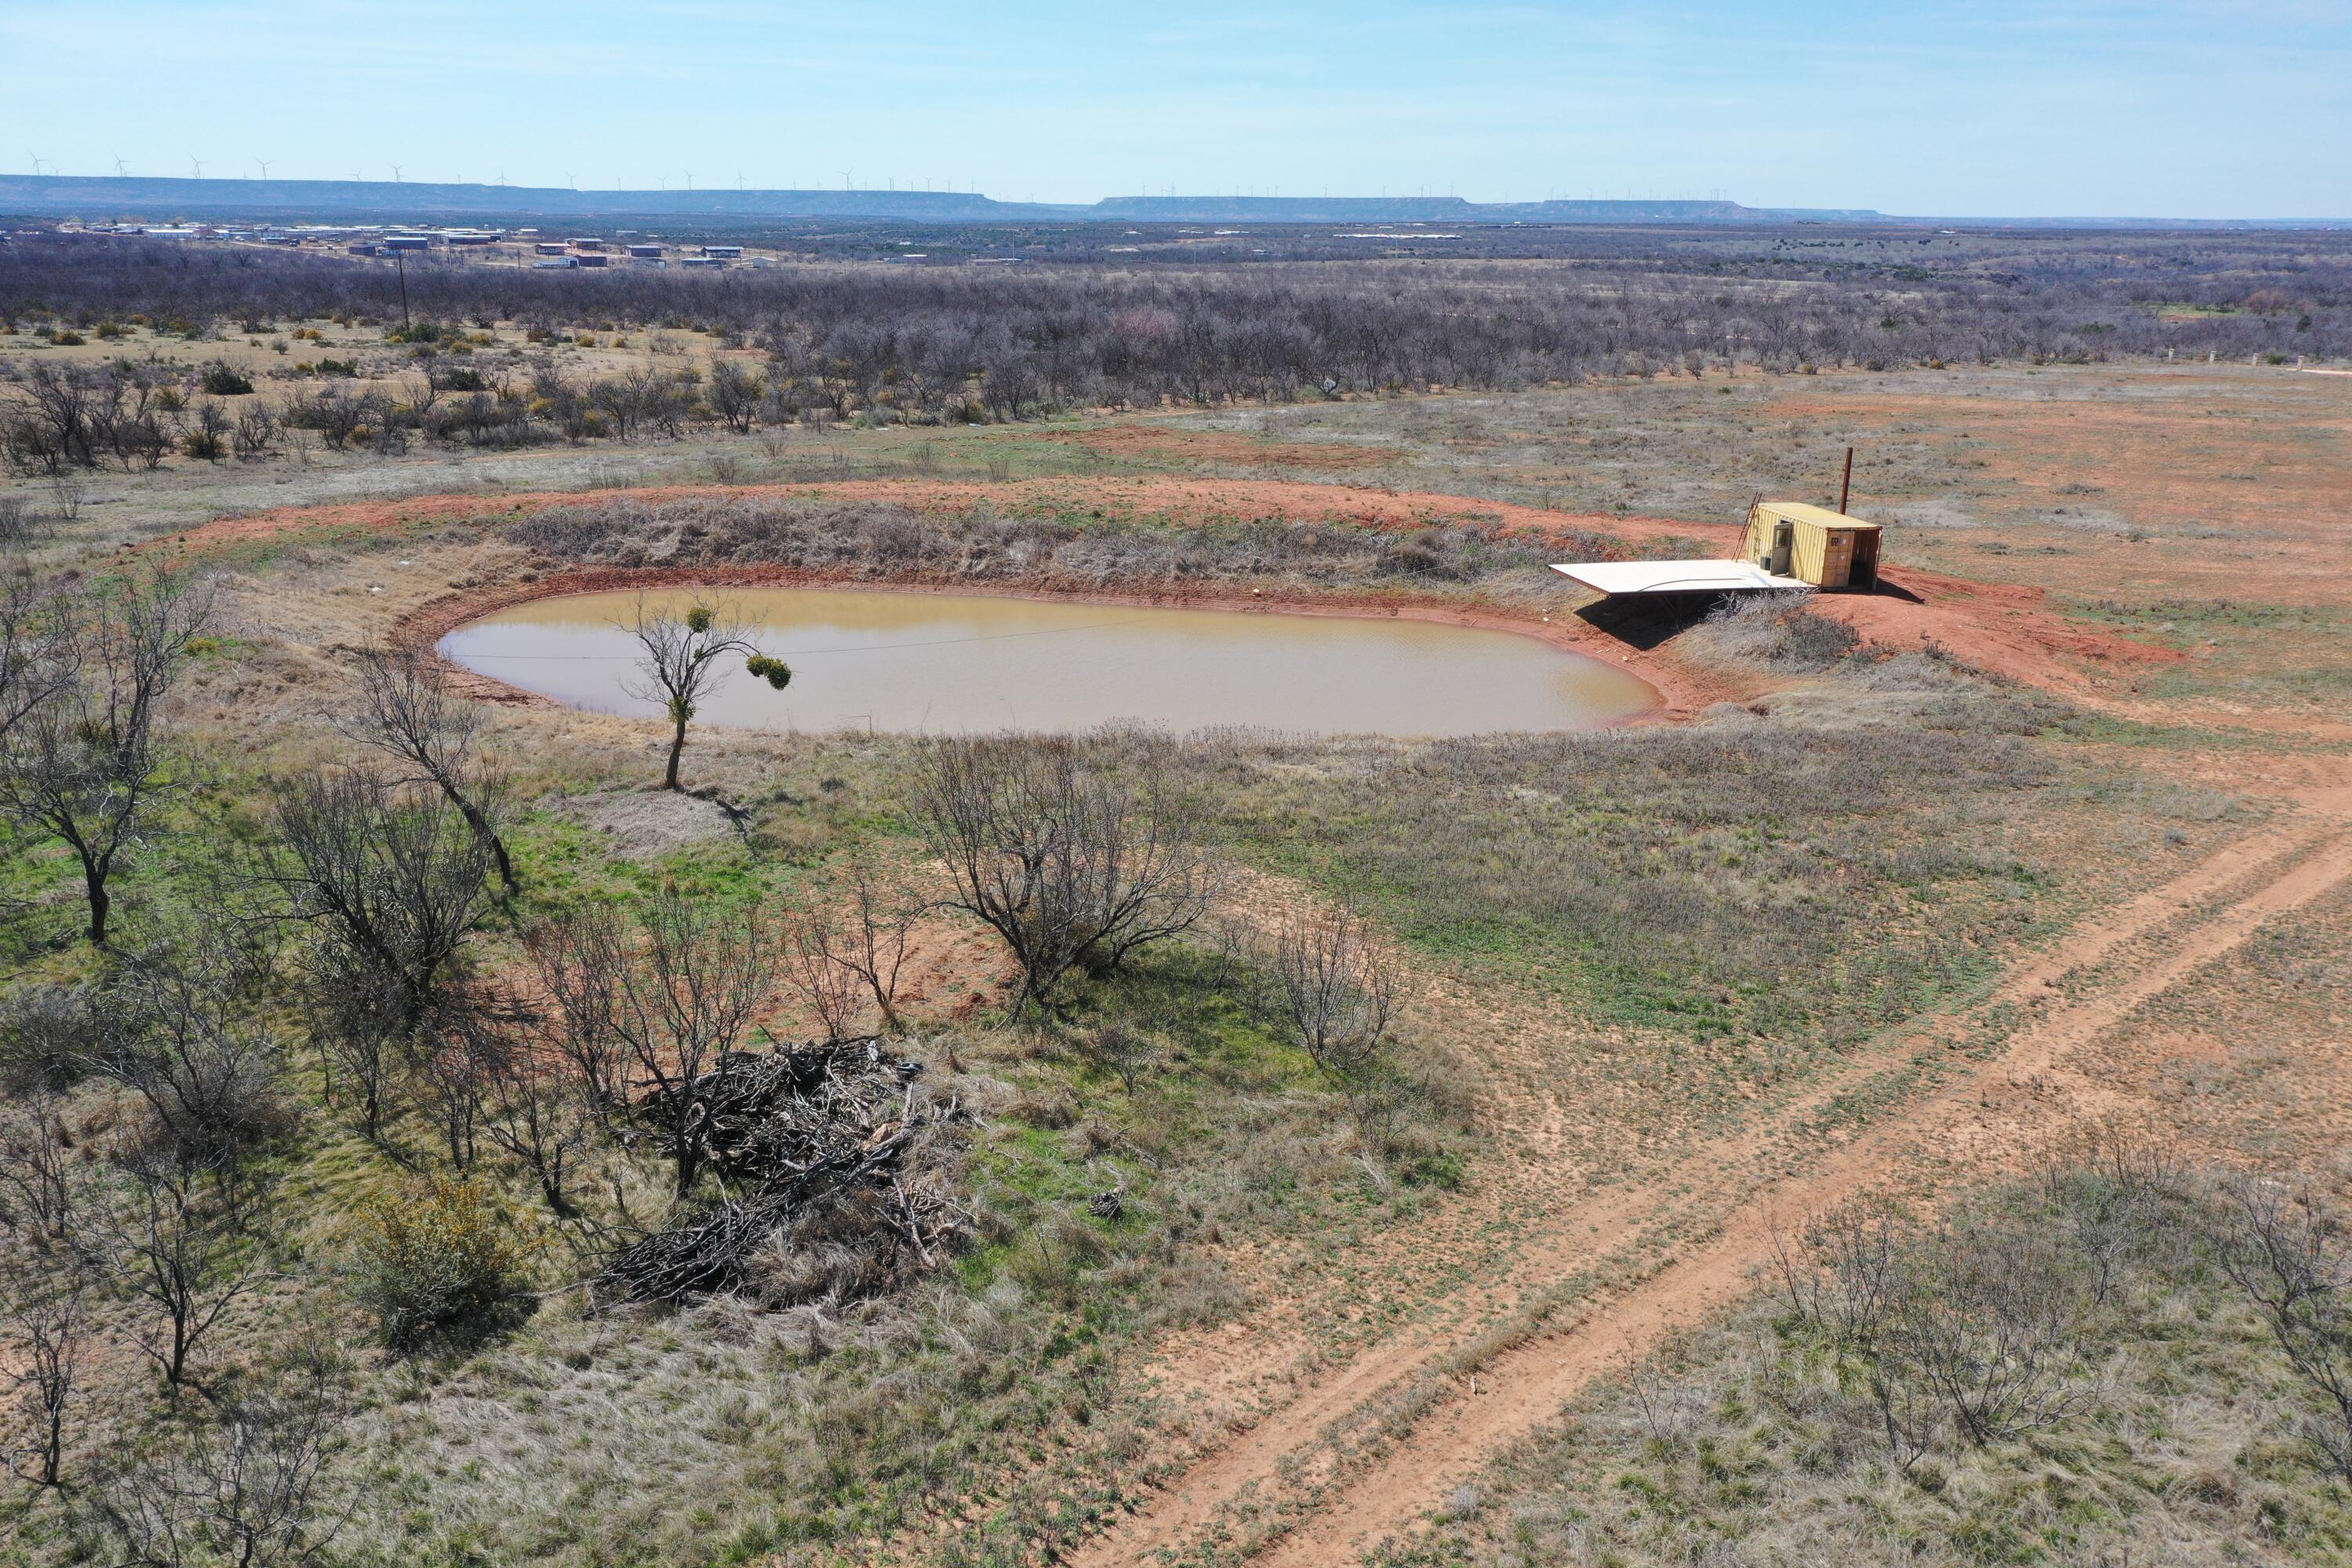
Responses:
[400,261]
[1845,490]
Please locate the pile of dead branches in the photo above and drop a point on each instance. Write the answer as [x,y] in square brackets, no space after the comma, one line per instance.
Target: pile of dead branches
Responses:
[836,1164]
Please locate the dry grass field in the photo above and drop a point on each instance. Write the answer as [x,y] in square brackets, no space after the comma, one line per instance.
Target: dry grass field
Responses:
[2055,845]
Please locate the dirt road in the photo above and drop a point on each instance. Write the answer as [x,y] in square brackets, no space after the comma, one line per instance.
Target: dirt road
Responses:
[1365,1449]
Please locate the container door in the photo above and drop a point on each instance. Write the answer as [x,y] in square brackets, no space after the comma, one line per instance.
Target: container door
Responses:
[1866,561]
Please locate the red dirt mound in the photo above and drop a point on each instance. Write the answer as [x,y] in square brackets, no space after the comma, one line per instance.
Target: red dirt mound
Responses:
[2004,629]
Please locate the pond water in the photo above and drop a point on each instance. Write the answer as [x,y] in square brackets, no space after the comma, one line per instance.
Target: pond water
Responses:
[933,663]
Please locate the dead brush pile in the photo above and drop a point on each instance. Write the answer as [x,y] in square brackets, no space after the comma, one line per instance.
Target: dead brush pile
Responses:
[839,1171]
[868,541]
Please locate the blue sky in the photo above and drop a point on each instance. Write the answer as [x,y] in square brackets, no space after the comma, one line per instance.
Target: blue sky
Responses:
[2183,109]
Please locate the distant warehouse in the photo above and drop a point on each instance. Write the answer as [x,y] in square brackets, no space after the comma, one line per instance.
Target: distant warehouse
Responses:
[408,242]
[645,252]
[592,258]
[561,263]
[723,252]
[700,261]
[550,248]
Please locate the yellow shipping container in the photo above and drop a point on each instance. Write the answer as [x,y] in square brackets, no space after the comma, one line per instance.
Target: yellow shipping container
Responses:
[1812,544]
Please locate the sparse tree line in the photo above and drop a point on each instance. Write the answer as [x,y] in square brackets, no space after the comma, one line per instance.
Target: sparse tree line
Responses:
[960,345]
[370,951]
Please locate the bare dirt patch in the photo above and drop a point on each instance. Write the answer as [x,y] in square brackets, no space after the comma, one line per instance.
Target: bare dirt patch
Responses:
[645,825]
[2003,629]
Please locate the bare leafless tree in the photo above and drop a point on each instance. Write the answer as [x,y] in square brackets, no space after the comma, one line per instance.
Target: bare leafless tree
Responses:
[846,950]
[174,1241]
[249,1483]
[35,655]
[871,938]
[87,765]
[534,1109]
[407,711]
[1844,1272]
[1332,988]
[678,663]
[695,979]
[579,958]
[391,876]
[827,986]
[185,1038]
[40,1186]
[2283,1247]
[1992,1324]
[1076,850]
[47,1306]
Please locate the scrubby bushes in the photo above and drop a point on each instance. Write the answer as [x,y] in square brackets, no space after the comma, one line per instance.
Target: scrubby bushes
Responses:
[2086,1366]
[1074,850]
[1285,314]
[433,1259]
[858,540]
[1779,628]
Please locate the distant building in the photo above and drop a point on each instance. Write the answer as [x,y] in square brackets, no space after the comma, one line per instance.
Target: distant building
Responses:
[723,252]
[700,261]
[594,259]
[559,263]
[644,252]
[590,244]
[550,248]
[364,248]
[408,242]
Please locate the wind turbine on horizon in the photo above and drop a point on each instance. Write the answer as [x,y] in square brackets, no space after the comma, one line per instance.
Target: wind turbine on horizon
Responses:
[395,173]
[121,171]
[198,164]
[35,157]
[265,167]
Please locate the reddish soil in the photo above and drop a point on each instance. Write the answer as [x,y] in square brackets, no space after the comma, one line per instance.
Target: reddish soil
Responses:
[2004,629]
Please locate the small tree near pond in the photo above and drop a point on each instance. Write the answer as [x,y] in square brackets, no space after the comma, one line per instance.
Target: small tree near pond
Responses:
[679,664]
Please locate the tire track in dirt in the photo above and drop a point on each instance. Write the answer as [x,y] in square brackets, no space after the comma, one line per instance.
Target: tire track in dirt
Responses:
[2251,880]
[2007,1107]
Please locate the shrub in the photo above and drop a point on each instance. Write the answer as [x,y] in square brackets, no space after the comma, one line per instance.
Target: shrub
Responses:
[223,380]
[1777,629]
[434,1260]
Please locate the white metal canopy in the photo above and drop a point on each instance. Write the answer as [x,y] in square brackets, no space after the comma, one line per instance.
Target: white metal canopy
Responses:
[1675,576]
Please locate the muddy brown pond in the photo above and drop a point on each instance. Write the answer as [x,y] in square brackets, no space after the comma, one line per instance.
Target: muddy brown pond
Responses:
[933,663]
